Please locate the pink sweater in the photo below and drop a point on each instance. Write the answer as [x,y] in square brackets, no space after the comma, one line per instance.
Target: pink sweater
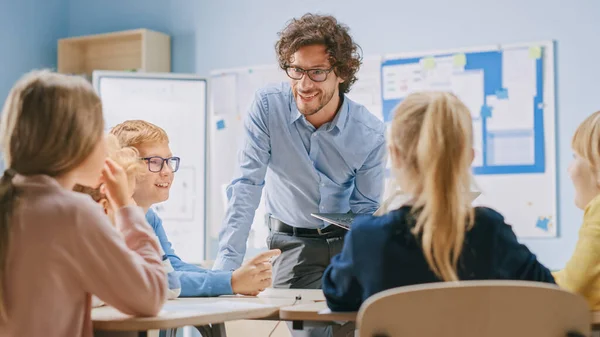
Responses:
[63,248]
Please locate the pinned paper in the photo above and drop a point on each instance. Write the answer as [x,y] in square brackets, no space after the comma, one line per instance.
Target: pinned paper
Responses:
[220,124]
[428,63]
[502,93]
[460,60]
[486,111]
[543,223]
[535,52]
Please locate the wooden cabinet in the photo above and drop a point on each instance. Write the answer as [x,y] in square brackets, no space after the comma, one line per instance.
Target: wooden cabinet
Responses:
[135,50]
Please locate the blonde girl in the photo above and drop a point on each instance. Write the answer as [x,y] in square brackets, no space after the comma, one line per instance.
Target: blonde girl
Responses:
[582,273]
[437,235]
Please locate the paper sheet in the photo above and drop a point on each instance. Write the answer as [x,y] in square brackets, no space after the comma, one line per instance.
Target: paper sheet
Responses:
[224,90]
[468,87]
[401,80]
[367,89]
[511,149]
[513,113]
[518,71]
[478,143]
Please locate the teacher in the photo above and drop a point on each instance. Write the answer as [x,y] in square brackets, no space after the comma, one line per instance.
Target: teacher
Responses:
[312,148]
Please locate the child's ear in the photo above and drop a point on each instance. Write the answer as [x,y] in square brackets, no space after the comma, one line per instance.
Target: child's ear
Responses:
[105,205]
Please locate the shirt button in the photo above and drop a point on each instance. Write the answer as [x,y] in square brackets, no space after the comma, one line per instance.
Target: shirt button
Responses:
[314,134]
[322,184]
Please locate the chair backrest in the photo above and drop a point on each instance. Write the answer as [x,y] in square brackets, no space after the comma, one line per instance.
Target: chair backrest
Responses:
[477,309]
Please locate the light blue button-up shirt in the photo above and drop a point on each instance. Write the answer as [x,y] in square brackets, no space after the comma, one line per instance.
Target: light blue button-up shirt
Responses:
[336,168]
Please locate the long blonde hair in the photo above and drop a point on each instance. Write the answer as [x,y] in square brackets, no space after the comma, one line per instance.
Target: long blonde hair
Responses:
[50,124]
[431,132]
[586,140]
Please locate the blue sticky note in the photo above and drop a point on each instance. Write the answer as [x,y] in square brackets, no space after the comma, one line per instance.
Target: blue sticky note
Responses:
[502,93]
[486,111]
[220,125]
[543,223]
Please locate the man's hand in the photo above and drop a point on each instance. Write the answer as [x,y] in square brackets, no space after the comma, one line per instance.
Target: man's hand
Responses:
[255,275]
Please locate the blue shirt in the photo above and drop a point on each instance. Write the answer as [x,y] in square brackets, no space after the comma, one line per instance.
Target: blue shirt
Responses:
[195,281]
[336,168]
[381,253]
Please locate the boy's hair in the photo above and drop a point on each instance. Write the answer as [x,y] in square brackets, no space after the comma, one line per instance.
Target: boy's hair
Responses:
[51,123]
[432,133]
[137,132]
[126,157]
[586,140]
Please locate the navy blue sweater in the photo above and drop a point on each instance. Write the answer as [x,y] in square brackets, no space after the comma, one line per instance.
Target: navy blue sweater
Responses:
[381,253]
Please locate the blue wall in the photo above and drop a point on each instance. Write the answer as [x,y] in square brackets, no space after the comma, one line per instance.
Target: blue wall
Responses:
[219,34]
[176,18]
[28,33]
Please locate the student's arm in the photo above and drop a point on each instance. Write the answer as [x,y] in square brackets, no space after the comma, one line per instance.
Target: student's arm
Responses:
[123,269]
[156,223]
[245,191]
[195,281]
[514,260]
[341,289]
[368,183]
[582,272]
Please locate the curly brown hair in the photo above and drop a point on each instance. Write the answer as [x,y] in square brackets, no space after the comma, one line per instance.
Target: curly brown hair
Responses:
[313,29]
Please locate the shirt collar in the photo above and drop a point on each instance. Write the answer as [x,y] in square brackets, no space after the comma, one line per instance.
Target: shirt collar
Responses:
[341,117]
[338,121]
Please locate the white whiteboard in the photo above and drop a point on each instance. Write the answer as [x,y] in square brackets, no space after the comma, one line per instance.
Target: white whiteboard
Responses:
[232,92]
[176,103]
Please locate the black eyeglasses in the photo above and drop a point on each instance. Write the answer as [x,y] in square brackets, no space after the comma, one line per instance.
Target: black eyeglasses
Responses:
[155,164]
[317,75]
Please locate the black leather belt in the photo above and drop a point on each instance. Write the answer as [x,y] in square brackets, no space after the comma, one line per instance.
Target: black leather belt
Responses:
[281,227]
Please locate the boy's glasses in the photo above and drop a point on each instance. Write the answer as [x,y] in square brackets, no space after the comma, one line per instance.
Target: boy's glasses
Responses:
[155,164]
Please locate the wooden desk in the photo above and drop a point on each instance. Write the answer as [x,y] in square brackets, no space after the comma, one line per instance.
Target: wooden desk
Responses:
[198,312]
[203,312]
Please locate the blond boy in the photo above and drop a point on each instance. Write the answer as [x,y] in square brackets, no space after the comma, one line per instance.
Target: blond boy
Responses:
[127,158]
[153,187]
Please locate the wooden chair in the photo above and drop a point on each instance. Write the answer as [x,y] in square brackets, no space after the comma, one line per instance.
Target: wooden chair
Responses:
[475,309]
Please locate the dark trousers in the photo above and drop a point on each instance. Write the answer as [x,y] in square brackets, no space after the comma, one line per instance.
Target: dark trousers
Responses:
[303,259]
[301,266]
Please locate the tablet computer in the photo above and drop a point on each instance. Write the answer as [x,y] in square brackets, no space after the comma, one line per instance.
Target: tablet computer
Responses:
[339,219]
